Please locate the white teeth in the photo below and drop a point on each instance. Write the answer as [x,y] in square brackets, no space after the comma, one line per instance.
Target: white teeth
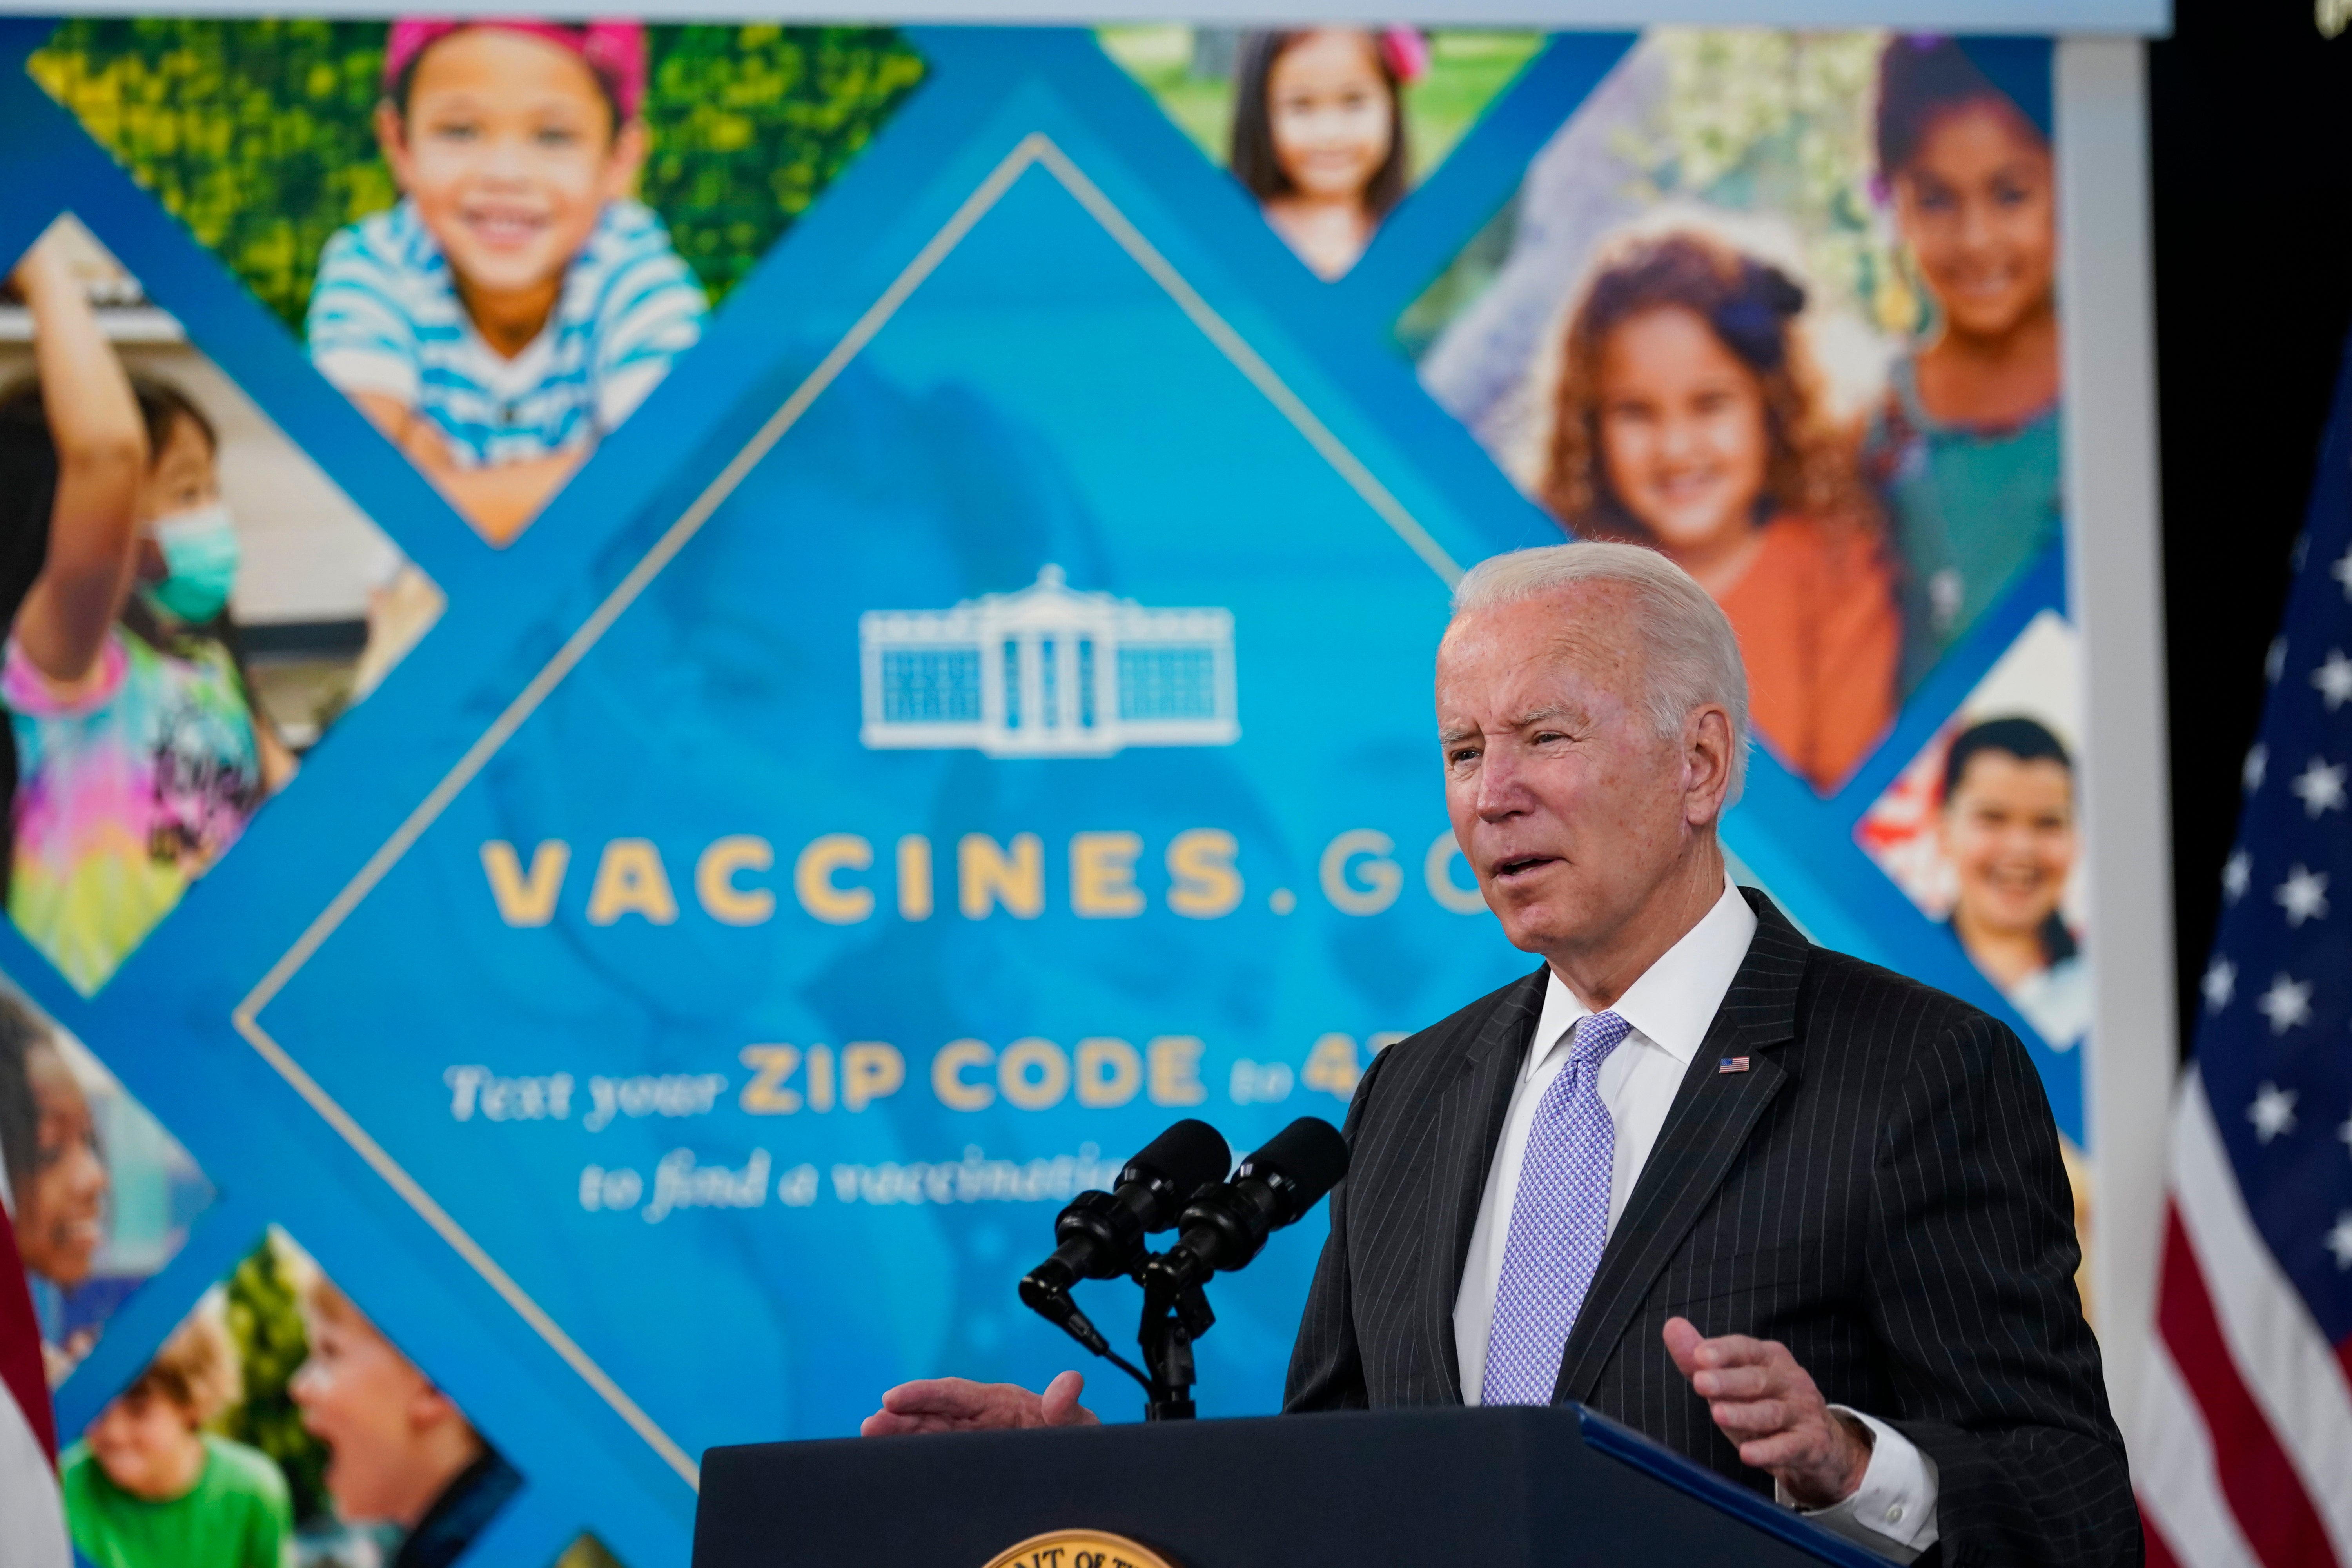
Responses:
[497,229]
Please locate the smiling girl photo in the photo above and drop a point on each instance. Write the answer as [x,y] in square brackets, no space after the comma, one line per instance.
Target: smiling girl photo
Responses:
[1689,417]
[1320,135]
[1965,445]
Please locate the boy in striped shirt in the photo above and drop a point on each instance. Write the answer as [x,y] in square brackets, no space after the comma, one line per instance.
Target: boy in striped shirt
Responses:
[518,304]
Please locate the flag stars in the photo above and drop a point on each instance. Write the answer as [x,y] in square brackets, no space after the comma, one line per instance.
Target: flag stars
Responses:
[2342,572]
[2344,1132]
[2339,1240]
[2221,983]
[2258,764]
[2334,680]
[2274,661]
[2286,1003]
[2303,896]
[2272,1112]
[2320,787]
[2235,874]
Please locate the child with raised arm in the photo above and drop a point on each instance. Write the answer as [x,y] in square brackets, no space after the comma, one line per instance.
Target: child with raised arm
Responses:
[1320,135]
[135,751]
[1689,418]
[518,304]
[1965,446]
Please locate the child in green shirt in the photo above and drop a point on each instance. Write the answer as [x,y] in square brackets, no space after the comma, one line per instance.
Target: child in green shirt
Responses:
[147,1487]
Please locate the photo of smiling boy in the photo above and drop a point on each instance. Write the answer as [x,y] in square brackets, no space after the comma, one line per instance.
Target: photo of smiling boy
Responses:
[519,303]
[2007,830]
[148,1487]
[1964,447]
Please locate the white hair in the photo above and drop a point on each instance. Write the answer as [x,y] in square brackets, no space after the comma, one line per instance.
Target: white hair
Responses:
[1693,655]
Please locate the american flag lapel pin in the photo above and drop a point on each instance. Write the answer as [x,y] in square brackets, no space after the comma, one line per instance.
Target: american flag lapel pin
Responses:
[1732,1064]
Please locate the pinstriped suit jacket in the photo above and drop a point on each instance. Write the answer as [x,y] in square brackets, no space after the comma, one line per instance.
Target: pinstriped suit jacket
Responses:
[1881,1191]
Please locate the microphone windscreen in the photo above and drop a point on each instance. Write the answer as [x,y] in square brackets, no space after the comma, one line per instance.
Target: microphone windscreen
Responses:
[1310,1152]
[1190,1154]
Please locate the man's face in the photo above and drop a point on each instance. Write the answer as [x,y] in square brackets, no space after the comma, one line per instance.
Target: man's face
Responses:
[1568,806]
[364,1398]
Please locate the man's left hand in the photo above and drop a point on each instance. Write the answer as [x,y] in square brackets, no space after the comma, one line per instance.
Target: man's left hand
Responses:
[1768,1404]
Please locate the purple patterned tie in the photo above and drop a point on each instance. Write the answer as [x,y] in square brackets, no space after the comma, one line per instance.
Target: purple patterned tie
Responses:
[1559,1221]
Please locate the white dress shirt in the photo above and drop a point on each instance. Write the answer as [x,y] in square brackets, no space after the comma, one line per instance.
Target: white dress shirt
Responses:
[1669,1008]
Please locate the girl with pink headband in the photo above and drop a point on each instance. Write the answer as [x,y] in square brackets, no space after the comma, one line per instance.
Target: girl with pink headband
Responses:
[519,303]
[1320,133]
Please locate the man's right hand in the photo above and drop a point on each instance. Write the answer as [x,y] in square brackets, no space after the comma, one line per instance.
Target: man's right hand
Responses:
[959,1404]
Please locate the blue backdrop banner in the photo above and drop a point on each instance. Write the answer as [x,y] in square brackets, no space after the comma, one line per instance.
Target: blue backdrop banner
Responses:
[912,670]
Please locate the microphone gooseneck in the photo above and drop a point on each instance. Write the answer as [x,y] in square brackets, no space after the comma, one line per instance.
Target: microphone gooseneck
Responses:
[1101,1233]
[1179,1182]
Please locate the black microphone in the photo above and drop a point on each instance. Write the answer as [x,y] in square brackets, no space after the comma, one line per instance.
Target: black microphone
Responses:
[1101,1233]
[1224,1229]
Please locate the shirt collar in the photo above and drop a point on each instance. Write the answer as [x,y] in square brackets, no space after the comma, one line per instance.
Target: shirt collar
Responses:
[1674,1000]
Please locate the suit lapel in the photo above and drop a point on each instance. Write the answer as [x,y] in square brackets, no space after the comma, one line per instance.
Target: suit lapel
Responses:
[1713,1115]
[1470,1113]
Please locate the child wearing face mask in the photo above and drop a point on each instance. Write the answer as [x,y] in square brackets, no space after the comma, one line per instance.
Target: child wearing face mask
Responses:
[56,1178]
[138,751]
[1689,418]
[148,1487]
[1965,446]
[1320,135]
[518,304]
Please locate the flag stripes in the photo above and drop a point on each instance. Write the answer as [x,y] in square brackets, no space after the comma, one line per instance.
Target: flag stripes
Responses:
[2245,1454]
[32,1513]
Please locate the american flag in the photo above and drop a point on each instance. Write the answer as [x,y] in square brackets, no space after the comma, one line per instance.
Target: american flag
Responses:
[2245,1454]
[32,1518]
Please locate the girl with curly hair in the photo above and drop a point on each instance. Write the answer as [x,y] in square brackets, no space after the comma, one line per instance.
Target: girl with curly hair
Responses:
[1689,417]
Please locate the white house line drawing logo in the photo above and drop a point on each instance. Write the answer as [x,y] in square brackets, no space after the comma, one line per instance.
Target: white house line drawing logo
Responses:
[1047,672]
[1034,150]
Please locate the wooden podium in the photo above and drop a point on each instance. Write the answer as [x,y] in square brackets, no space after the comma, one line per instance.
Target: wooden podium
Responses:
[1509,1487]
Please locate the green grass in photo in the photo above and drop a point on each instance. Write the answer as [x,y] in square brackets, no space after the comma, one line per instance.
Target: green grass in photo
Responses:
[260,135]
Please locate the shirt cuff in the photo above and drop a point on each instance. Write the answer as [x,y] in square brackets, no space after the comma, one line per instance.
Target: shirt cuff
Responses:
[25,689]
[1893,1512]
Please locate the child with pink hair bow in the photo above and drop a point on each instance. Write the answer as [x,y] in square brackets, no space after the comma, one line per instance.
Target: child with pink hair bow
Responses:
[1320,133]
[519,303]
